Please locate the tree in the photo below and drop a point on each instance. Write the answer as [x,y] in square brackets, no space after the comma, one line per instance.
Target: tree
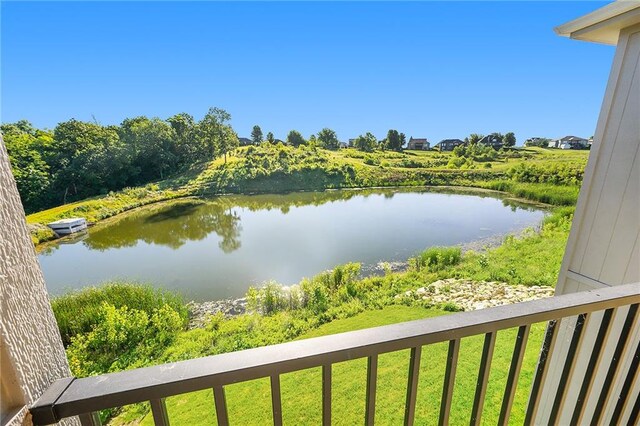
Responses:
[228,141]
[82,159]
[366,142]
[218,136]
[540,142]
[295,138]
[256,134]
[30,171]
[394,140]
[328,139]
[475,138]
[509,139]
[153,142]
[188,147]
[270,138]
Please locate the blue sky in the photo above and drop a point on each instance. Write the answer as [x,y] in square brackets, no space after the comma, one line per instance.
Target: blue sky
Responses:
[429,69]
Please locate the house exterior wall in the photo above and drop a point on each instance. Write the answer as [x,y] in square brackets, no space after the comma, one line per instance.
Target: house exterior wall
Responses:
[32,355]
[604,243]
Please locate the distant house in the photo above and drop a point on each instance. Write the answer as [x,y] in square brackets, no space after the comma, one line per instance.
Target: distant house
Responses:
[569,142]
[418,143]
[448,144]
[343,145]
[245,141]
[352,142]
[493,140]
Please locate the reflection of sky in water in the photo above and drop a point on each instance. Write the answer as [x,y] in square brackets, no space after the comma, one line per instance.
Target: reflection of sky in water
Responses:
[217,249]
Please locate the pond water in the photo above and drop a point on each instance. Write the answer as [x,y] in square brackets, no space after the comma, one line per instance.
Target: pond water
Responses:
[216,248]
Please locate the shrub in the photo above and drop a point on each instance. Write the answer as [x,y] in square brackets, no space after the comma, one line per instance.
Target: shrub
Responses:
[80,311]
[438,258]
[272,298]
[122,338]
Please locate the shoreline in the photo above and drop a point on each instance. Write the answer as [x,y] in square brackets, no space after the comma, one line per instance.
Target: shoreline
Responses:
[469,190]
[451,294]
[231,307]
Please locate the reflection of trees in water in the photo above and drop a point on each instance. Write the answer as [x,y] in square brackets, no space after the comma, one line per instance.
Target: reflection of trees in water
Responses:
[172,226]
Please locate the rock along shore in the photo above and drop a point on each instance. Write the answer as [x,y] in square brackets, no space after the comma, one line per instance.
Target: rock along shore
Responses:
[465,295]
[199,311]
[468,295]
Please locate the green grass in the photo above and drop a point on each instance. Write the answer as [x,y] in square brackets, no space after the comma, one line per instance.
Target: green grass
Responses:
[557,195]
[277,168]
[249,402]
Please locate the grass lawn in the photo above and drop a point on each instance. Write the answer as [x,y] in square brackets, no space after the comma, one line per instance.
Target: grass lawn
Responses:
[249,403]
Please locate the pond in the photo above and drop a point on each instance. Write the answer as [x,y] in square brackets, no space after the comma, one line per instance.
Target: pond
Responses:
[216,248]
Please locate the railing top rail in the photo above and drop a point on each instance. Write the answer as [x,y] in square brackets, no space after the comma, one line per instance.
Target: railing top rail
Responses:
[123,388]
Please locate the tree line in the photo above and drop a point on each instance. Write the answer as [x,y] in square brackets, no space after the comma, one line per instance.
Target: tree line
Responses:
[80,159]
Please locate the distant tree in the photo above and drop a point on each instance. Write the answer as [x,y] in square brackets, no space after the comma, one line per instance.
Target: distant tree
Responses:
[256,134]
[217,133]
[152,142]
[366,142]
[30,171]
[20,126]
[228,142]
[474,138]
[295,138]
[539,142]
[394,140]
[188,147]
[270,138]
[509,139]
[312,140]
[403,140]
[328,139]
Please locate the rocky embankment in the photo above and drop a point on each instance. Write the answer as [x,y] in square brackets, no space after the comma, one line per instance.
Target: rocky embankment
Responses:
[199,311]
[464,295]
[468,295]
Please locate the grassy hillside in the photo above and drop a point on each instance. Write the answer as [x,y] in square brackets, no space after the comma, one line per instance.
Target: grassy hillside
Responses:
[249,403]
[549,176]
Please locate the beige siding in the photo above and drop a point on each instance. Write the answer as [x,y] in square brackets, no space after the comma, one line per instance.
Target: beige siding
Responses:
[605,237]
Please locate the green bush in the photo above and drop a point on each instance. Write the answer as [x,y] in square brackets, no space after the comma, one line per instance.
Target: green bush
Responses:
[123,338]
[78,312]
[554,173]
[438,258]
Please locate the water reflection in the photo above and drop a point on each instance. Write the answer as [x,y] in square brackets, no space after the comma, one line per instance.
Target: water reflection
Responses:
[174,223]
[171,225]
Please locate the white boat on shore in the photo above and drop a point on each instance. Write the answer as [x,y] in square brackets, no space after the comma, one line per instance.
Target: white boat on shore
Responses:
[68,226]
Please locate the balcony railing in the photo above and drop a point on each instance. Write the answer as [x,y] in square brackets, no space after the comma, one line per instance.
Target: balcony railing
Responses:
[85,397]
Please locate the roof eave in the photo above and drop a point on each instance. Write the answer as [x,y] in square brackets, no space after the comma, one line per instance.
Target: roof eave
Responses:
[603,25]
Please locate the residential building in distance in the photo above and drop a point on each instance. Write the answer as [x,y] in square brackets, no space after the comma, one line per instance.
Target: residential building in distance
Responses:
[418,144]
[448,144]
[493,140]
[245,141]
[569,142]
